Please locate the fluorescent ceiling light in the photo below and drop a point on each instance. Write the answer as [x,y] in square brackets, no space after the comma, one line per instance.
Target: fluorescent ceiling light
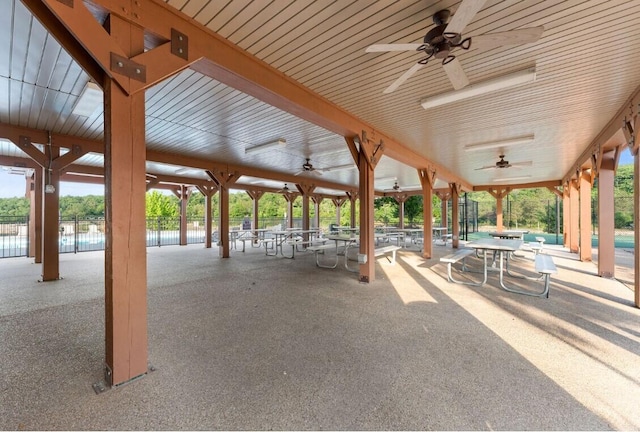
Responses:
[512,178]
[500,144]
[89,101]
[340,167]
[494,84]
[262,147]
[185,170]
[382,179]
[322,139]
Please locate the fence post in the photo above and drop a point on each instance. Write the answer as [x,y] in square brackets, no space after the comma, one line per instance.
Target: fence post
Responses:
[75,234]
[159,241]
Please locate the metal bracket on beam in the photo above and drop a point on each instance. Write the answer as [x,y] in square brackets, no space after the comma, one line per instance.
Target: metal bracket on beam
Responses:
[179,44]
[76,149]
[128,68]
[24,141]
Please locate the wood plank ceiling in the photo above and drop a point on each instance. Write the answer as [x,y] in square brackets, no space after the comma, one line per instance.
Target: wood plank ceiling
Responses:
[587,64]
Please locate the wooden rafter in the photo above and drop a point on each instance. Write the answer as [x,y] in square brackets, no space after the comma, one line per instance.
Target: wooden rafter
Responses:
[213,56]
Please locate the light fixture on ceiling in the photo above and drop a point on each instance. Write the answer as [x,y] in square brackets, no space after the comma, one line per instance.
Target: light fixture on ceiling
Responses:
[340,167]
[524,177]
[494,84]
[281,142]
[322,139]
[285,189]
[88,101]
[185,170]
[523,140]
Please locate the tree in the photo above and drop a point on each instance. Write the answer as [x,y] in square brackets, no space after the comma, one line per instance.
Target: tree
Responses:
[160,205]
[413,208]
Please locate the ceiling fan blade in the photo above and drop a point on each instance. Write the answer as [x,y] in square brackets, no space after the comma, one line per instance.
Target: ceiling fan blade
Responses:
[456,74]
[393,47]
[513,37]
[486,167]
[463,16]
[405,76]
[299,172]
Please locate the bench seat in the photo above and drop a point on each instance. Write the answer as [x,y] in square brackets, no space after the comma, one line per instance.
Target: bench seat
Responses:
[386,250]
[319,249]
[546,267]
[453,258]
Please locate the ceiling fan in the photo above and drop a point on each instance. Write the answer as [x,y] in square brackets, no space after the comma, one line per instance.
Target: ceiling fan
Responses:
[442,40]
[394,188]
[308,168]
[285,189]
[505,164]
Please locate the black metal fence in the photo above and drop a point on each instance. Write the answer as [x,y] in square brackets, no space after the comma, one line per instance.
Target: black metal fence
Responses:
[14,236]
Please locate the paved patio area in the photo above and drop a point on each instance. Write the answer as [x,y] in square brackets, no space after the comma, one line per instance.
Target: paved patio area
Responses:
[257,342]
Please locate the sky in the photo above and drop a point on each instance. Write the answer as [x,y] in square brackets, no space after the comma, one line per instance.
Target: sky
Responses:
[13,185]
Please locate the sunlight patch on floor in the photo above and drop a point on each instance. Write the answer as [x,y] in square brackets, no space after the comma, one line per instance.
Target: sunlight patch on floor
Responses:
[408,289]
[576,356]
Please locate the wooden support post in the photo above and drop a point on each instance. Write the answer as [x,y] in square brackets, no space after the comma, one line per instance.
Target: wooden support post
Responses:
[427,178]
[499,214]
[125,245]
[444,221]
[352,199]
[338,202]
[223,178]
[51,219]
[290,199]
[184,194]
[574,221]
[368,155]
[223,222]
[455,216]
[255,198]
[585,217]
[499,195]
[208,221]
[400,199]
[208,192]
[317,200]
[305,190]
[35,215]
[367,240]
[444,200]
[606,221]
[566,215]
[636,225]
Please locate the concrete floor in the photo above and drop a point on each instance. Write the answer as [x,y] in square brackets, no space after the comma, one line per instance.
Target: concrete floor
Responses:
[256,342]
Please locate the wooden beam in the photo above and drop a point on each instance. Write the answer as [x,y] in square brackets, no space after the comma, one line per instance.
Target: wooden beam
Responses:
[628,108]
[68,41]
[216,57]
[544,184]
[427,179]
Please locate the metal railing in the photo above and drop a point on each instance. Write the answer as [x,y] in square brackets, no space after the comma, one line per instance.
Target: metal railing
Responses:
[14,236]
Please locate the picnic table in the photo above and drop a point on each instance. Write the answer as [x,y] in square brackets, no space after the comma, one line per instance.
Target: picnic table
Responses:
[504,248]
[509,234]
[291,237]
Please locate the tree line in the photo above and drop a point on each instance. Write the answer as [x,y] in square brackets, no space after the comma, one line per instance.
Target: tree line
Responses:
[533,208]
